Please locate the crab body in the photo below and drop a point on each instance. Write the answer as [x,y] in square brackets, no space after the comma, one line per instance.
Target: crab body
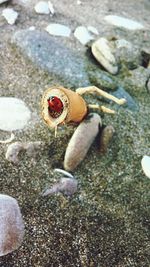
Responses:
[61,106]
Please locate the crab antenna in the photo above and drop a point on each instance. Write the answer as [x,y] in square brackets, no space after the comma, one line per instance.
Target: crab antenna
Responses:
[93,89]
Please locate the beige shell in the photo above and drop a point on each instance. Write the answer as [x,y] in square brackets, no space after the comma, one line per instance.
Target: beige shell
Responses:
[74,106]
[101,49]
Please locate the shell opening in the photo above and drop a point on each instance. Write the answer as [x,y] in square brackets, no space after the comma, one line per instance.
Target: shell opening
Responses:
[55,106]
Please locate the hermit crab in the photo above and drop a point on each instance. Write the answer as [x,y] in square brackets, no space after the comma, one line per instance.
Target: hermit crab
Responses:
[63,106]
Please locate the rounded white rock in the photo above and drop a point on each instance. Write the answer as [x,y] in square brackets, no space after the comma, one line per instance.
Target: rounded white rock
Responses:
[11,225]
[123,22]
[83,35]
[145,162]
[10,15]
[14,114]
[42,7]
[58,29]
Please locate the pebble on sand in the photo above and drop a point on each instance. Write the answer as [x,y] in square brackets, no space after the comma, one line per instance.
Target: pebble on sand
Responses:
[145,162]
[83,35]
[11,225]
[81,141]
[42,7]
[14,114]
[14,149]
[10,15]
[58,30]
[123,22]
[67,186]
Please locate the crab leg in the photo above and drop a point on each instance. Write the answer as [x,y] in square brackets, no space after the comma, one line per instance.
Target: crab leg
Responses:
[93,89]
[102,108]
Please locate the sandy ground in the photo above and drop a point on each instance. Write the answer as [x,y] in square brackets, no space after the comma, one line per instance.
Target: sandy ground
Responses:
[106,223]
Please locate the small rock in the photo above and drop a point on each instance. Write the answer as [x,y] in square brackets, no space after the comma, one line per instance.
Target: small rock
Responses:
[58,30]
[42,7]
[106,137]
[14,114]
[83,35]
[146,165]
[93,30]
[137,78]
[81,141]
[102,79]
[67,186]
[124,22]
[15,148]
[53,56]
[130,102]
[11,225]
[102,51]
[32,28]
[126,53]
[10,15]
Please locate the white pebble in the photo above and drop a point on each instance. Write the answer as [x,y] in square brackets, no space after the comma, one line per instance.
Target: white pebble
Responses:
[68,174]
[11,225]
[93,30]
[124,22]
[146,165]
[81,141]
[14,114]
[10,15]
[32,28]
[83,35]
[42,7]
[58,30]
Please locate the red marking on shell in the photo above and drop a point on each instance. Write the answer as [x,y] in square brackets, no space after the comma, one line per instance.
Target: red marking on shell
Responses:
[55,106]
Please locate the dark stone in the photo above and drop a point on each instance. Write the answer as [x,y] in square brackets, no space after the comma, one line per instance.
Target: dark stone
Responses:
[52,56]
[131,103]
[102,79]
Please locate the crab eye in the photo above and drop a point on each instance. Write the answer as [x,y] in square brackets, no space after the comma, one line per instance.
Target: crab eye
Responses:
[55,106]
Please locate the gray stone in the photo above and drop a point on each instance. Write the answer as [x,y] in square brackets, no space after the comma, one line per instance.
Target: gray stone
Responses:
[102,79]
[130,104]
[137,78]
[11,225]
[52,56]
[126,53]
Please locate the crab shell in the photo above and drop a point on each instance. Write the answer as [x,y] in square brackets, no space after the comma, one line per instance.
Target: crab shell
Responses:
[74,106]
